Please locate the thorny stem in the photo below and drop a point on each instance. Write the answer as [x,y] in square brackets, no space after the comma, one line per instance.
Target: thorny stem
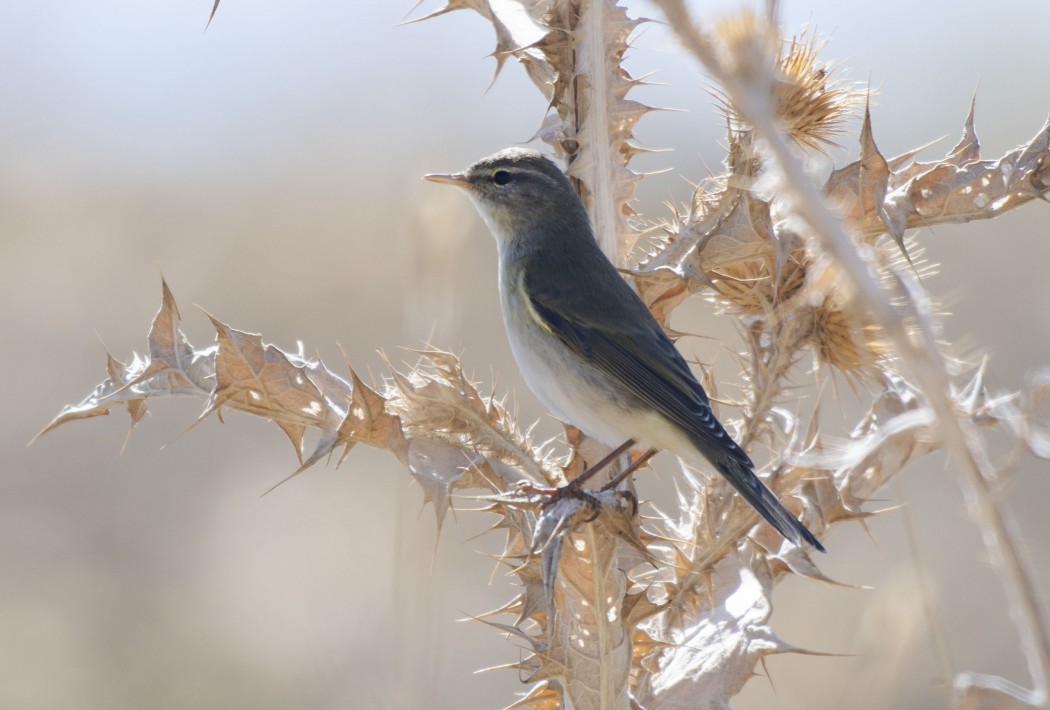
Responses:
[997,525]
[926,361]
[768,369]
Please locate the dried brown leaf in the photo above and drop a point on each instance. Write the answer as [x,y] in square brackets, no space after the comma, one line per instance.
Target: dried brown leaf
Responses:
[714,645]
[172,368]
[258,378]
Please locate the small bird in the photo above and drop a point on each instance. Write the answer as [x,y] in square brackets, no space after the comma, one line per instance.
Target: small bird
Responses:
[586,344]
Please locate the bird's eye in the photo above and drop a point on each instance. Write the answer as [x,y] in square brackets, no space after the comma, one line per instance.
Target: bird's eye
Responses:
[501,177]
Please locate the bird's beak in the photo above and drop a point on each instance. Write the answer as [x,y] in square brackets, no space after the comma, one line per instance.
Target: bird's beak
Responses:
[456,179]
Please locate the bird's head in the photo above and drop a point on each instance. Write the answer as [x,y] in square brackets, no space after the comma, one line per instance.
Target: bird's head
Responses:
[520,194]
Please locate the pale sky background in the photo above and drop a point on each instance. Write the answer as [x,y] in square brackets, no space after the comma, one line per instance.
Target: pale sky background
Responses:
[270,168]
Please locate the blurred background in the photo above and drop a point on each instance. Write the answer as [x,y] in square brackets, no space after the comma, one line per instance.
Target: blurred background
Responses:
[269,167]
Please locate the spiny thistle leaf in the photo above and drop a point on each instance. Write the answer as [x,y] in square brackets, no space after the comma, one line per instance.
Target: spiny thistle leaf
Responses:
[258,378]
[723,631]
[173,367]
[211,16]
[959,188]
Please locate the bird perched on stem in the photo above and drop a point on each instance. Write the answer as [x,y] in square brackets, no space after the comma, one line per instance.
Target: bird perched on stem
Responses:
[585,342]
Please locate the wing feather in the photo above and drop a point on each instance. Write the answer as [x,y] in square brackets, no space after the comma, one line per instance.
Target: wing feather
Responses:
[651,368]
[647,364]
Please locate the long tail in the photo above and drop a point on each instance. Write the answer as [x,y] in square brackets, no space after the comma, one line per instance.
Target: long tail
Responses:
[743,479]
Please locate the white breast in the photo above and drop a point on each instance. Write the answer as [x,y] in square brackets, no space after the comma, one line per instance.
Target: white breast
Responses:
[581,396]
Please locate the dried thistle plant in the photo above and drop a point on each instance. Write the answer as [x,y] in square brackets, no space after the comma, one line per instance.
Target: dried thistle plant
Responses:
[671,609]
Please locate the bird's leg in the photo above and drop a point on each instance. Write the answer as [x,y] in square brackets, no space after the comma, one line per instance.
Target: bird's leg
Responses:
[577,482]
[574,488]
[629,470]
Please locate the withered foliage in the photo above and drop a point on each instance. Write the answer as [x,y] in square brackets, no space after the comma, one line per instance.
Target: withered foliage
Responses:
[621,612]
